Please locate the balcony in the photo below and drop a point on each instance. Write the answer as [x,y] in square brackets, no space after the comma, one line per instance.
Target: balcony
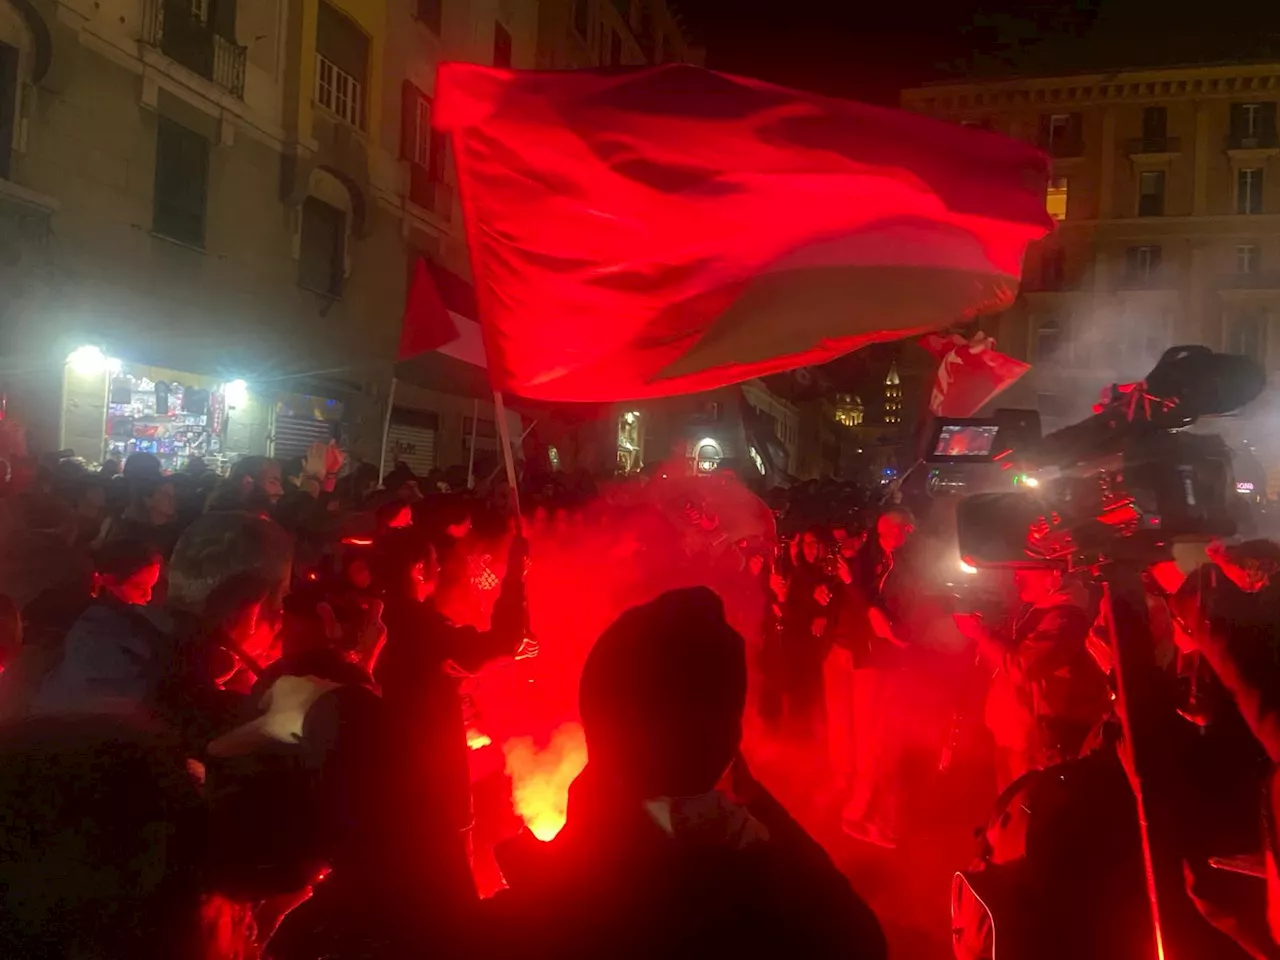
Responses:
[189,39]
[1269,281]
[1153,279]
[1154,146]
[1259,140]
[430,193]
[1059,148]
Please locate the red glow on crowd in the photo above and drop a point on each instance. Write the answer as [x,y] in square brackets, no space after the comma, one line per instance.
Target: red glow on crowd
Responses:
[585,569]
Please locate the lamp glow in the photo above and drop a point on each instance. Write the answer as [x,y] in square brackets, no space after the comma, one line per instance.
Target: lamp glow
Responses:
[236,393]
[88,361]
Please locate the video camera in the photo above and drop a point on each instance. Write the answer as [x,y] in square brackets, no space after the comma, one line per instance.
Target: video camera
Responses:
[1120,484]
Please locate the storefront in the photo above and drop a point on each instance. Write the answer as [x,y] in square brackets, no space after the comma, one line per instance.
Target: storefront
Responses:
[113,408]
[301,420]
[177,416]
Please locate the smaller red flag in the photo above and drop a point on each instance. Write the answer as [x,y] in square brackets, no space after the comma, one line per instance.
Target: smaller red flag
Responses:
[427,323]
[970,373]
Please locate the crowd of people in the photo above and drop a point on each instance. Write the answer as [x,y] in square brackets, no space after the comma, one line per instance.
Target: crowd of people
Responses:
[236,711]
[233,728]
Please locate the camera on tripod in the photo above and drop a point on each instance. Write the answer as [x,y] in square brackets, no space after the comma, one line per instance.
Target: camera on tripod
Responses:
[1118,485]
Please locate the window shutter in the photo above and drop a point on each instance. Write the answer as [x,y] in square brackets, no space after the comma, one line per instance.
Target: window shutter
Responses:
[1075,129]
[1267,120]
[409,96]
[439,150]
[222,17]
[1237,121]
[182,177]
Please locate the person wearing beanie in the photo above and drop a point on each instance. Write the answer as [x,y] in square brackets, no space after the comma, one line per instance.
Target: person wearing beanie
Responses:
[656,859]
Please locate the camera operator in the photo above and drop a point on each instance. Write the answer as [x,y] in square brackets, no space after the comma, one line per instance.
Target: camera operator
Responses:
[1046,692]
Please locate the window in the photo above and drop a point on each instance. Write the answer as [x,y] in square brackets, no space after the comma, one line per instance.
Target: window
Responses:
[1055,199]
[200,10]
[1151,193]
[1247,258]
[182,181]
[322,251]
[1059,126]
[1061,134]
[423,135]
[8,105]
[419,143]
[615,49]
[342,64]
[1249,190]
[1253,125]
[501,46]
[581,17]
[339,92]
[1250,115]
[1247,334]
[426,150]
[1142,263]
[1155,125]
[431,13]
[1048,340]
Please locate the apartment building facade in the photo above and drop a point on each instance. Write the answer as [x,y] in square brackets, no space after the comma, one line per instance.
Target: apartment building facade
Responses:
[209,213]
[1166,189]
[580,34]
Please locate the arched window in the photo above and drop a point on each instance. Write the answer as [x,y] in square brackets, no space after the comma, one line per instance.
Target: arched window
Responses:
[324,235]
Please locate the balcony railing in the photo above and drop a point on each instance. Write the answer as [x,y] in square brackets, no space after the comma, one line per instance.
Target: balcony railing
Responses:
[1154,278]
[1255,141]
[1154,145]
[182,35]
[1250,281]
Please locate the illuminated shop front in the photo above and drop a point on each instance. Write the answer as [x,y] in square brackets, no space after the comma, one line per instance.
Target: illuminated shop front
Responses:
[113,408]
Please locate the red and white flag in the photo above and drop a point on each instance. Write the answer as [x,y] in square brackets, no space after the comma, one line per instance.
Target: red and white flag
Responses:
[644,233]
[970,373]
[430,324]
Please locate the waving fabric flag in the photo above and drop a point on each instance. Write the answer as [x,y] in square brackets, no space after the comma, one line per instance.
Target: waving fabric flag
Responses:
[439,319]
[642,233]
[970,373]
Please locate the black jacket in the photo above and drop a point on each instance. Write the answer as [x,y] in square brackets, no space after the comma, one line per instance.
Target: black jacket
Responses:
[422,698]
[612,884]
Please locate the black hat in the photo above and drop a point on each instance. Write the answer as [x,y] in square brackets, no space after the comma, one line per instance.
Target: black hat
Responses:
[662,694]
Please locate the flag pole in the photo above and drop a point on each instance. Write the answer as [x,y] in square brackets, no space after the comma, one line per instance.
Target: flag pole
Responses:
[505,434]
[471,454]
[386,431]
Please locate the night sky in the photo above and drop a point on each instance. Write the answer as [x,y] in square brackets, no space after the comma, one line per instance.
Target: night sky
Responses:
[871,50]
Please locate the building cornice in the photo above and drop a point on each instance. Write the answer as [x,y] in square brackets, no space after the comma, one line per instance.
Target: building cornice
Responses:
[1234,82]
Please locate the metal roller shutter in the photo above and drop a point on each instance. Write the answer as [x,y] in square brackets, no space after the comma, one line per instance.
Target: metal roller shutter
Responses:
[415,445]
[294,434]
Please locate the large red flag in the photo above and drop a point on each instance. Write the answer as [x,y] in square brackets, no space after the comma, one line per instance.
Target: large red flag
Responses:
[970,373]
[645,233]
